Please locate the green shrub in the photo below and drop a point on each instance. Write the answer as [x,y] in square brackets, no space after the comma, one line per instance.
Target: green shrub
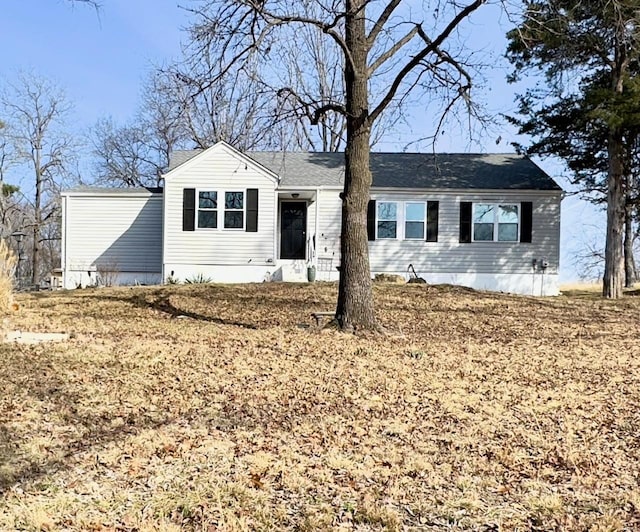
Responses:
[198,279]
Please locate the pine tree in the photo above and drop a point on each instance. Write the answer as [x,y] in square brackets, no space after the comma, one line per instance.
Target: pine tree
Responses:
[587,112]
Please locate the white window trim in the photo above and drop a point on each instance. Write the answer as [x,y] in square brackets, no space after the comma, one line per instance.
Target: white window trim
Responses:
[397,220]
[401,219]
[243,210]
[221,210]
[496,223]
[424,220]
[198,209]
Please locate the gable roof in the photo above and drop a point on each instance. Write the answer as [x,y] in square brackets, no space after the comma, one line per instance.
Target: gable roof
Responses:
[403,170]
[189,157]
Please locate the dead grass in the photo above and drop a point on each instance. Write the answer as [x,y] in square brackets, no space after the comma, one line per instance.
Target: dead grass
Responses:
[221,408]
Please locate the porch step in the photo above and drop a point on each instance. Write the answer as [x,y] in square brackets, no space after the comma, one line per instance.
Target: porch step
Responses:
[292,272]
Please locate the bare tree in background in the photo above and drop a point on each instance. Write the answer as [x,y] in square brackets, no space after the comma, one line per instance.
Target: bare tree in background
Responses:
[236,109]
[178,110]
[122,155]
[162,119]
[312,68]
[9,206]
[137,154]
[386,41]
[35,110]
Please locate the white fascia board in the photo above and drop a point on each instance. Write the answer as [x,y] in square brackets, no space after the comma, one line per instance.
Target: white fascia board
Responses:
[292,188]
[465,191]
[107,193]
[222,146]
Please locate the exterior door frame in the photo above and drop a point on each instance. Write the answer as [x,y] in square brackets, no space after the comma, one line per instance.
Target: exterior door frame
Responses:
[300,204]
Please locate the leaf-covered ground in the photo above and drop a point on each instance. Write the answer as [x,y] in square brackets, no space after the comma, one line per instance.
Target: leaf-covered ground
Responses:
[223,408]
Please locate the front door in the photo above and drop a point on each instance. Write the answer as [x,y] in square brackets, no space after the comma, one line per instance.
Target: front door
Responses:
[293,229]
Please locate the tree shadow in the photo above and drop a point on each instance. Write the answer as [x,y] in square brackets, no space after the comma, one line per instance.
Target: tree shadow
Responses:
[161,302]
[261,306]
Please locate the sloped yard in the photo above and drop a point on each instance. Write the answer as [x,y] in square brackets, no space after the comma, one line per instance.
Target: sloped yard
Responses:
[220,408]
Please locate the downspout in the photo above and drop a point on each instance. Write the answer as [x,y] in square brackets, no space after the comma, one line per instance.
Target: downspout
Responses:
[63,246]
[276,227]
[163,272]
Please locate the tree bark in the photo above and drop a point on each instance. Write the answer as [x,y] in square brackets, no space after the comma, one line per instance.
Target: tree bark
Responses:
[629,259]
[355,309]
[613,281]
[37,215]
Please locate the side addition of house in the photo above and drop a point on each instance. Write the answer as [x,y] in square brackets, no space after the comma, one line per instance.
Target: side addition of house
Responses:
[485,221]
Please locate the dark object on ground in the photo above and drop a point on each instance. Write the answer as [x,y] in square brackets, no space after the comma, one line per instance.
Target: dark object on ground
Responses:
[413,276]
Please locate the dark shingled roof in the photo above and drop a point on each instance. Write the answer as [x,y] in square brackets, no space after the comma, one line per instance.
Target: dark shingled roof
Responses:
[404,170]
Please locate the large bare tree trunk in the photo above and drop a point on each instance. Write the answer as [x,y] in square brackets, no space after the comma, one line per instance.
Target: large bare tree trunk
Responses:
[355,302]
[614,256]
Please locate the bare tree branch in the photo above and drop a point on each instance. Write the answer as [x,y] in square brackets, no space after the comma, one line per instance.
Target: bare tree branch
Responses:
[382,20]
[382,58]
[431,47]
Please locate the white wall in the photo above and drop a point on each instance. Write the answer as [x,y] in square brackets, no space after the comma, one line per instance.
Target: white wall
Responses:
[114,235]
[448,255]
[221,254]
[328,238]
[500,266]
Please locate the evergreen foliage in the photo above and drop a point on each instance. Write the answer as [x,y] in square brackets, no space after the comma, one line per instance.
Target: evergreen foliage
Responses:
[587,112]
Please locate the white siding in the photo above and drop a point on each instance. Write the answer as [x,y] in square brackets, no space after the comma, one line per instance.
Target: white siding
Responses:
[330,220]
[448,255]
[119,233]
[219,169]
[478,264]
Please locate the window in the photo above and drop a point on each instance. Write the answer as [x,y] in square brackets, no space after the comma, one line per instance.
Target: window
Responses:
[234,210]
[404,220]
[495,222]
[508,223]
[207,209]
[414,223]
[387,219]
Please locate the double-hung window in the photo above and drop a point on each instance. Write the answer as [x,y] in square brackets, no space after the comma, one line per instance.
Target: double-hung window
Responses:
[414,220]
[207,209]
[220,210]
[495,222]
[402,220]
[387,219]
[233,210]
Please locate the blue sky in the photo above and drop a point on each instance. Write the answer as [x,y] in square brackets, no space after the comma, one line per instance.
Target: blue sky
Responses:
[101,59]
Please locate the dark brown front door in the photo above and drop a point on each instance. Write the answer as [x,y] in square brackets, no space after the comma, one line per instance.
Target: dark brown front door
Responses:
[293,229]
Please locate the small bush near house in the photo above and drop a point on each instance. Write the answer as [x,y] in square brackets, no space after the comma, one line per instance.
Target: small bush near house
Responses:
[198,279]
[107,273]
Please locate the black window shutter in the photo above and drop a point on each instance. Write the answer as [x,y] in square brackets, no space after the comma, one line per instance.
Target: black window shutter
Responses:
[188,209]
[252,210]
[465,221]
[432,220]
[526,221]
[371,220]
